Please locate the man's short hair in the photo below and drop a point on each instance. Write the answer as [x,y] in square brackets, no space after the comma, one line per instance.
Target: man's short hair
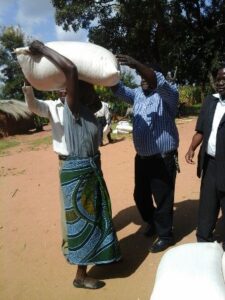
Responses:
[221,65]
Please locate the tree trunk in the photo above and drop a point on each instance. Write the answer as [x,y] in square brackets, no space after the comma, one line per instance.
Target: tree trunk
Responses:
[202,91]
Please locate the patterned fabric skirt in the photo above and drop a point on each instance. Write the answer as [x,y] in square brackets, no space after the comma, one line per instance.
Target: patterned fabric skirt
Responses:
[91,236]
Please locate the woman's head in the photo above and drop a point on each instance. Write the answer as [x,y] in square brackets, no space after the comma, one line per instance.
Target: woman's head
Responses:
[88,96]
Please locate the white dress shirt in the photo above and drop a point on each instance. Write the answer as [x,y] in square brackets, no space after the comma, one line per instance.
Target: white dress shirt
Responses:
[219,112]
[53,110]
[104,112]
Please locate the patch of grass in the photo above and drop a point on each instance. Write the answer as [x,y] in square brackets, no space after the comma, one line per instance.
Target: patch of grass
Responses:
[6,144]
[45,141]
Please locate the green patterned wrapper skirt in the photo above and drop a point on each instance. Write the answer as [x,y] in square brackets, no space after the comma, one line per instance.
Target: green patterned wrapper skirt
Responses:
[91,235]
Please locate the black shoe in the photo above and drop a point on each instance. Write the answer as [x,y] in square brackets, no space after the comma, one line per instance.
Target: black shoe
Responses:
[150,230]
[161,245]
[112,141]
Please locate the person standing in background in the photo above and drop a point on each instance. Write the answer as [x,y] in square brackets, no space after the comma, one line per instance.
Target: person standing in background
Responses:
[210,133]
[104,118]
[156,140]
[52,110]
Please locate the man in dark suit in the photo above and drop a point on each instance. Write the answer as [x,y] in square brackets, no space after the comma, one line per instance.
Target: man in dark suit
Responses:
[210,133]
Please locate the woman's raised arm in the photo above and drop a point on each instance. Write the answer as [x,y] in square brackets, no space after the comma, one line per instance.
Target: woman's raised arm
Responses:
[68,68]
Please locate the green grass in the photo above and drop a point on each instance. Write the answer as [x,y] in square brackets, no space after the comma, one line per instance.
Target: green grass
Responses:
[45,141]
[7,144]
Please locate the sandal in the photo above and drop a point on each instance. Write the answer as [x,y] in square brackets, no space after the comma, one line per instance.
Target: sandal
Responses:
[88,283]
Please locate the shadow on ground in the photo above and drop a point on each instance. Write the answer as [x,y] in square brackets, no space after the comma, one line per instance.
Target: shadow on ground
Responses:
[185,218]
[135,246]
[115,140]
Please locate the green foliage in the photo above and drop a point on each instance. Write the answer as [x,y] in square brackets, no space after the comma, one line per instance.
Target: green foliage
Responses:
[189,94]
[39,122]
[12,78]
[188,33]
[118,108]
[11,74]
[192,95]
[198,44]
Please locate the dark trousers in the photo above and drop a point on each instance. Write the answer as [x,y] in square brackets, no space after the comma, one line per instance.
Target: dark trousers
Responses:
[154,191]
[101,125]
[211,200]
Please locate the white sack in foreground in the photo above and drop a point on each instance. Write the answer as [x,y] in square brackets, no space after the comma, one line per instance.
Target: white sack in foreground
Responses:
[190,272]
[223,266]
[95,65]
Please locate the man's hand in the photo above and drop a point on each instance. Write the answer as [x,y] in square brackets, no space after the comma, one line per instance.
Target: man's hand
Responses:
[126,60]
[189,157]
[36,47]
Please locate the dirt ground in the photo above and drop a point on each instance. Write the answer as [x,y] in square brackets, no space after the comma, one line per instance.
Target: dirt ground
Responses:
[32,265]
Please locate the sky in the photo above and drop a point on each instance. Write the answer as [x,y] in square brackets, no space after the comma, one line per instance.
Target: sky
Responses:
[36,19]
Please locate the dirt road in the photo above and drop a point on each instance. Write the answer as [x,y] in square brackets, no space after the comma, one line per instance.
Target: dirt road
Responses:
[32,265]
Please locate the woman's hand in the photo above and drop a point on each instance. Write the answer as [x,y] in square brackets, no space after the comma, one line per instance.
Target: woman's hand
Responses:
[36,47]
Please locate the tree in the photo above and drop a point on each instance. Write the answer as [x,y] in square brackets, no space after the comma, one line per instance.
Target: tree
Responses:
[188,34]
[198,43]
[132,27]
[11,75]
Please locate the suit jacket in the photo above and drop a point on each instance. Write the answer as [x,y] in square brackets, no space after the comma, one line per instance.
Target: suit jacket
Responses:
[204,126]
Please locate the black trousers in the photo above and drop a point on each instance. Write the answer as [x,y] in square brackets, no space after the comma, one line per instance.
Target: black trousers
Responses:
[211,200]
[154,191]
[101,125]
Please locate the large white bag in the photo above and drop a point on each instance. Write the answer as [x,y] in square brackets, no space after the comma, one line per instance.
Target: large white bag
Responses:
[223,265]
[124,127]
[190,272]
[95,65]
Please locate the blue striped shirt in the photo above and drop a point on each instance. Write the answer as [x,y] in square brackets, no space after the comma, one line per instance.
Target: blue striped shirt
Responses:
[154,128]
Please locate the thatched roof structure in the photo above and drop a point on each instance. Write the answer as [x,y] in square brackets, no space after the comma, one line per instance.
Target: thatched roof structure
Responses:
[15,108]
[15,117]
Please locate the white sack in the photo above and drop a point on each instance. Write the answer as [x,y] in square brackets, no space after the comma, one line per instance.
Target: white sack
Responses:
[95,65]
[190,272]
[124,127]
[223,265]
